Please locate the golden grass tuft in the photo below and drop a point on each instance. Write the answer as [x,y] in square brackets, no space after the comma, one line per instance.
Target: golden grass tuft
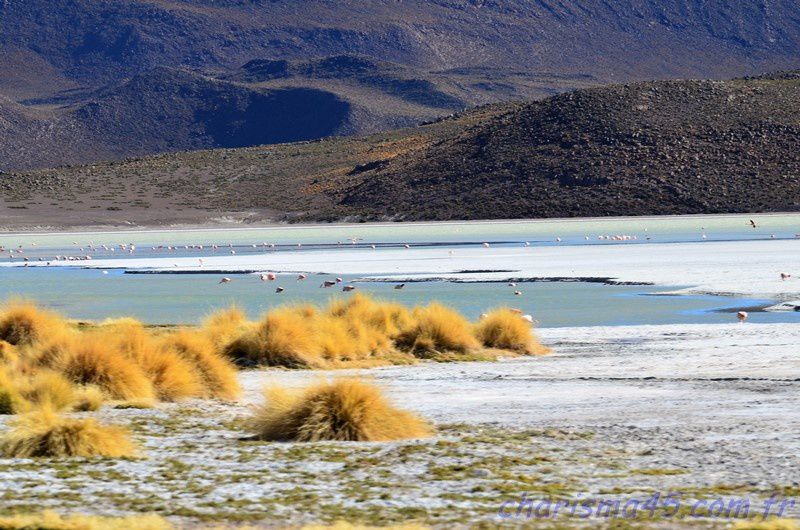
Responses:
[43,433]
[92,361]
[88,398]
[24,323]
[506,330]
[217,374]
[48,389]
[438,329]
[283,338]
[222,327]
[344,410]
[11,401]
[49,520]
[8,353]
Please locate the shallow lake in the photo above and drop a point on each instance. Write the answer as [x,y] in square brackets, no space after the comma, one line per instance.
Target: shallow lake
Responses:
[187,298]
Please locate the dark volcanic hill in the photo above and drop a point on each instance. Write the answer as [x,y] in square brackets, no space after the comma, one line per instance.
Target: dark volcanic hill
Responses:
[643,149]
[666,147]
[388,63]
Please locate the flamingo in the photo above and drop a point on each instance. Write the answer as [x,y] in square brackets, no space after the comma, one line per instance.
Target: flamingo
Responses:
[512,284]
[328,283]
[785,276]
[224,280]
[279,289]
[348,288]
[338,280]
[399,286]
[527,318]
[742,316]
[517,293]
[753,224]
[486,245]
[301,277]
[406,246]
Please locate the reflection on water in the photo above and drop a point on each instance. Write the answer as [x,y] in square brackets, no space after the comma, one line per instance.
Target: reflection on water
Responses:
[187,298]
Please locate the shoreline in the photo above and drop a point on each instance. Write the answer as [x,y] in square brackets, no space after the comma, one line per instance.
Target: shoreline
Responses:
[232,226]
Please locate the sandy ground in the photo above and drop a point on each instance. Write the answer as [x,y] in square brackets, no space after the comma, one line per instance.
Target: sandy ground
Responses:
[615,413]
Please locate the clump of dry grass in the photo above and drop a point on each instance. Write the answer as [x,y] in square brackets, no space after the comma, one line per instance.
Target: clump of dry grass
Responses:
[91,361]
[24,323]
[8,353]
[88,398]
[284,337]
[43,433]
[222,327]
[49,520]
[438,329]
[506,330]
[10,400]
[49,389]
[217,374]
[344,410]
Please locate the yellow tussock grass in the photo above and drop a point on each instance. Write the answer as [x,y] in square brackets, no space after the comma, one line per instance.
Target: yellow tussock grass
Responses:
[504,329]
[92,361]
[49,389]
[24,323]
[217,374]
[769,524]
[11,401]
[222,327]
[88,398]
[49,520]
[438,329]
[386,318]
[344,410]
[283,338]
[43,433]
[8,353]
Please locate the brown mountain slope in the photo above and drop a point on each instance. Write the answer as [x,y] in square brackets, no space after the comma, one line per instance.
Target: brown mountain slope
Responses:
[392,63]
[646,148]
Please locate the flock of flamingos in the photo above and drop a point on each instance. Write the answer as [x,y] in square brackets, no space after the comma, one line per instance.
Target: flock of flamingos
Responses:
[130,248]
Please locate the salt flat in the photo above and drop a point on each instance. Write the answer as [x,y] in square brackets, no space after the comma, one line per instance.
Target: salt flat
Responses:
[615,412]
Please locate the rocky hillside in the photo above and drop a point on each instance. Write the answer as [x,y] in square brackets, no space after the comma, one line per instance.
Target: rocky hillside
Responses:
[666,147]
[642,149]
[373,66]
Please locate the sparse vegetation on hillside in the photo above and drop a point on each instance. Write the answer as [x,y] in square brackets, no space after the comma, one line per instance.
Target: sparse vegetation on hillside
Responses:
[670,147]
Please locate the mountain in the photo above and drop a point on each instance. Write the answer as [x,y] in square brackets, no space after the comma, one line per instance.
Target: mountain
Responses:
[663,147]
[642,149]
[371,66]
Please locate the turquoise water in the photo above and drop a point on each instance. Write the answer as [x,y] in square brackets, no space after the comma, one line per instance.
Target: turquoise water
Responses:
[90,294]
[187,298]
